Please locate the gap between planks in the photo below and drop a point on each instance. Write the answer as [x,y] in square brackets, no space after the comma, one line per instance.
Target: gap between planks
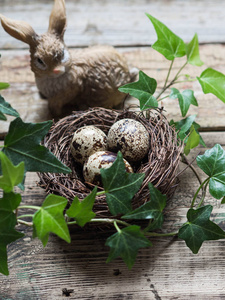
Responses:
[24,97]
[167,269]
[120,23]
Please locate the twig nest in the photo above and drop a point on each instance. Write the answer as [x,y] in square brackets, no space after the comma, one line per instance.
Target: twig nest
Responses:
[97,161]
[130,137]
[86,141]
[159,164]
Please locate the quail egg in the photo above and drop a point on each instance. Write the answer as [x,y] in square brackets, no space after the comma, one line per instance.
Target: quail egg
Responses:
[130,137]
[87,140]
[98,160]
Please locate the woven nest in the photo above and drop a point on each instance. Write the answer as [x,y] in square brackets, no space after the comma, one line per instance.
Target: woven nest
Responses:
[159,166]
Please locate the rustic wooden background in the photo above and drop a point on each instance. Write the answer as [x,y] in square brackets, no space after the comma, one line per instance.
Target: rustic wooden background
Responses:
[168,270]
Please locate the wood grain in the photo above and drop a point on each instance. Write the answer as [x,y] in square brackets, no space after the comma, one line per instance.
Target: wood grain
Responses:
[23,94]
[168,270]
[120,23]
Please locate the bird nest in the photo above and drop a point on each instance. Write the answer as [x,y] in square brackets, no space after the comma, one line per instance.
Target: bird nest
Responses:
[159,165]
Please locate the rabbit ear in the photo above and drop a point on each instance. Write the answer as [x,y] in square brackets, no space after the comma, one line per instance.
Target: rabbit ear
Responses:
[19,30]
[57,21]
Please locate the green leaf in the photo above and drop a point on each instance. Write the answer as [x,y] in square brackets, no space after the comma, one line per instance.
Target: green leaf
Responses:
[185,98]
[223,200]
[81,211]
[199,228]
[8,234]
[143,90]
[183,128]
[4,85]
[213,82]
[22,143]
[212,162]
[120,186]
[126,244]
[192,141]
[2,116]
[150,210]
[193,52]
[12,175]
[196,127]
[50,218]
[6,108]
[168,43]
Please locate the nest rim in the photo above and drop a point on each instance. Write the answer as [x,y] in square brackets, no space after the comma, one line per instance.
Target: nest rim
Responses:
[160,164]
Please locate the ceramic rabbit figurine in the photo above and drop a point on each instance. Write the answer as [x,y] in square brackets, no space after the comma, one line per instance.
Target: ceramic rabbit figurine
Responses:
[86,78]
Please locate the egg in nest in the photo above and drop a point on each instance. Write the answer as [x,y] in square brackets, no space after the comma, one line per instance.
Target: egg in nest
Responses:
[130,137]
[97,161]
[86,141]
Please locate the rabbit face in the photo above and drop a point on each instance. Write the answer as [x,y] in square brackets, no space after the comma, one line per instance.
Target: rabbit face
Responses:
[49,57]
[89,78]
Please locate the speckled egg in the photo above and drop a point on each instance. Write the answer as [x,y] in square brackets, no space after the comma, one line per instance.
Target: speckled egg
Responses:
[130,137]
[87,140]
[97,161]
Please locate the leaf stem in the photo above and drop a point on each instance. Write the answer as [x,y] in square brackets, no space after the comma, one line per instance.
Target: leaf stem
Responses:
[29,207]
[160,234]
[168,74]
[185,161]
[188,80]
[117,227]
[196,194]
[103,220]
[146,229]
[163,98]
[177,75]
[100,193]
[30,224]
[25,216]
[203,194]
[165,87]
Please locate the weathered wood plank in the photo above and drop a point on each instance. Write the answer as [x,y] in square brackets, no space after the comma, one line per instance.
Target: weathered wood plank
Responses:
[24,97]
[168,270]
[120,23]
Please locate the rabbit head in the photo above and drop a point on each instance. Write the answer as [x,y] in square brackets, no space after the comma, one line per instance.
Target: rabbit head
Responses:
[89,78]
[49,55]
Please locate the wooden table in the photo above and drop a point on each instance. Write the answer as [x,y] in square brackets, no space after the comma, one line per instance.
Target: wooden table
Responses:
[168,270]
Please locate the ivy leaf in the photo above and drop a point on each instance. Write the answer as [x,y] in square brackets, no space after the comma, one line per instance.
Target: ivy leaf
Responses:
[6,108]
[50,218]
[82,211]
[192,141]
[8,234]
[185,98]
[199,228]
[4,85]
[183,128]
[168,43]
[22,143]
[2,117]
[120,186]
[12,175]
[143,90]
[150,210]
[212,162]
[213,82]
[196,127]
[193,52]
[126,243]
